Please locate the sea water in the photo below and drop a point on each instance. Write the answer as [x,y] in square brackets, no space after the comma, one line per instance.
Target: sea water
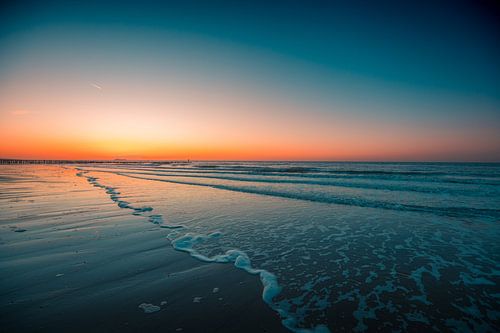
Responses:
[337,246]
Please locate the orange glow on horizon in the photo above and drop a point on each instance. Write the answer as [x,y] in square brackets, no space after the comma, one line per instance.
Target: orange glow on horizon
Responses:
[70,120]
[27,147]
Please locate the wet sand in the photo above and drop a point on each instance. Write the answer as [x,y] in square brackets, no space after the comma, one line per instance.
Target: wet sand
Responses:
[72,260]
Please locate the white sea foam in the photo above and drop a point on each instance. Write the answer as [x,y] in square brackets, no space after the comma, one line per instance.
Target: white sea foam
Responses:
[149,308]
[156,219]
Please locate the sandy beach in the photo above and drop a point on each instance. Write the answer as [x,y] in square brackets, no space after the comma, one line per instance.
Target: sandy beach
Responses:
[71,260]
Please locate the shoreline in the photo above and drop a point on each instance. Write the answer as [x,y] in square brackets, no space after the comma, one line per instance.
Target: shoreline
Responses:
[79,268]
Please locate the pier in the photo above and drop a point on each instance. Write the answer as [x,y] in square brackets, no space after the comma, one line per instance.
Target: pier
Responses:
[43,161]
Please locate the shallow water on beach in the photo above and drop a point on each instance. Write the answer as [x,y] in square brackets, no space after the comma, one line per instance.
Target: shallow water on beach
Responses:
[337,246]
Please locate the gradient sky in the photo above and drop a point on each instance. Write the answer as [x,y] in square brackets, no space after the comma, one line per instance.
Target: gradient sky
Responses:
[250,80]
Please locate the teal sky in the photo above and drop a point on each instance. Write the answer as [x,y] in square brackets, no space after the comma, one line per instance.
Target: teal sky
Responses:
[431,67]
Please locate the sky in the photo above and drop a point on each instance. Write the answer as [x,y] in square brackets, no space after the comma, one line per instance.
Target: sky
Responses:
[250,80]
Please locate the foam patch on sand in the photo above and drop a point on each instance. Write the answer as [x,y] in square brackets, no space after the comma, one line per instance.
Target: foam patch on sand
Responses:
[155,219]
[158,219]
[149,308]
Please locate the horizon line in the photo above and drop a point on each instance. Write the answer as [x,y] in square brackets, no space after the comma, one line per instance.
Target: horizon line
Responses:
[123,160]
